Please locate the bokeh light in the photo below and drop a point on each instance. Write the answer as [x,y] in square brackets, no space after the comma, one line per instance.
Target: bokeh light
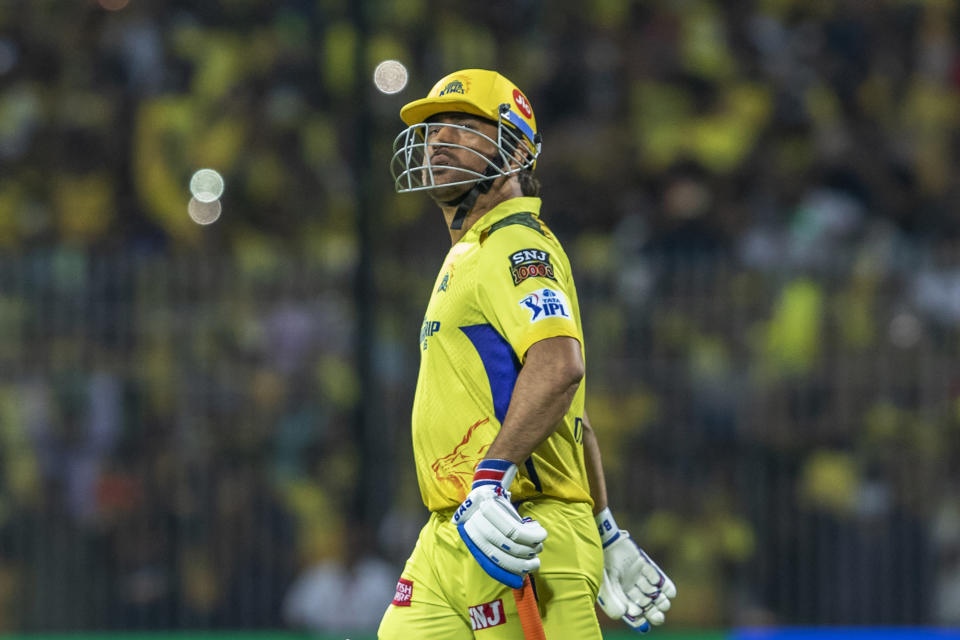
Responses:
[204,212]
[206,185]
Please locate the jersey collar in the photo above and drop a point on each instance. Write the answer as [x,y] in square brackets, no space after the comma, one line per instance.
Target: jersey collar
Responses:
[501,211]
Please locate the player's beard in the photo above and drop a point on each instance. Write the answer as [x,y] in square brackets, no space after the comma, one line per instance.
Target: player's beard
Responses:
[441,193]
[444,194]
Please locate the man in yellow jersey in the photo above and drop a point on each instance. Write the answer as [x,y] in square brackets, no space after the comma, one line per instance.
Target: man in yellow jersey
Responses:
[506,459]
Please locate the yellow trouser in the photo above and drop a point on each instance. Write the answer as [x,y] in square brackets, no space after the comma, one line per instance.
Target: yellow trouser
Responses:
[451,598]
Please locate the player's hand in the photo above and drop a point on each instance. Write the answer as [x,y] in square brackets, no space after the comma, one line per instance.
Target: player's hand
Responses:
[502,542]
[634,588]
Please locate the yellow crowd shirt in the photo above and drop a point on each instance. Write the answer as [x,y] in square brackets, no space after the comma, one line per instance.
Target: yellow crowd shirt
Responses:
[504,286]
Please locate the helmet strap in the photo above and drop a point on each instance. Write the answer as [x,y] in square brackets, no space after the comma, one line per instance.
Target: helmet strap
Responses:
[465,201]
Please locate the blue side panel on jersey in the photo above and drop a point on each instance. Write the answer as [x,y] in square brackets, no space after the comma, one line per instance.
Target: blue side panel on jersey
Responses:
[499,362]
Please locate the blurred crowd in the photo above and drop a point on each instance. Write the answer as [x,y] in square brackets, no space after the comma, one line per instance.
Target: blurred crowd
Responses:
[760,204]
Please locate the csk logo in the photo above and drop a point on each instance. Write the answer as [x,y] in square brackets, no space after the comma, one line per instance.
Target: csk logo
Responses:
[456,468]
[454,86]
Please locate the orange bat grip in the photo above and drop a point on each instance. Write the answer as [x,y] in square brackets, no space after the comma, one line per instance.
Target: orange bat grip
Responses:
[528,612]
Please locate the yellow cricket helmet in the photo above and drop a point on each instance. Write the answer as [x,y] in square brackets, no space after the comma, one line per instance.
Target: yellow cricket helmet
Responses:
[478,92]
[481,93]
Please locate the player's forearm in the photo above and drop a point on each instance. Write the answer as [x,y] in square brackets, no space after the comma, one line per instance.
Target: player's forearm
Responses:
[594,464]
[544,390]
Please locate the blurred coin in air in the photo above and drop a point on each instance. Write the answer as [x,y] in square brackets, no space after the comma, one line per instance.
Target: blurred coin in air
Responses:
[390,76]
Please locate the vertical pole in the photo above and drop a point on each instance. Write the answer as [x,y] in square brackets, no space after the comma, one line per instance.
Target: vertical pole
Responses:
[372,495]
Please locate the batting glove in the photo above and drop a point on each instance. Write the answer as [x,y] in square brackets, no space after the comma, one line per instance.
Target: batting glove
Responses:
[634,588]
[502,542]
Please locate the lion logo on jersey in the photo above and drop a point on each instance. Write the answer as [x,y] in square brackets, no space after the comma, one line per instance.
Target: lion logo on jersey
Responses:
[457,467]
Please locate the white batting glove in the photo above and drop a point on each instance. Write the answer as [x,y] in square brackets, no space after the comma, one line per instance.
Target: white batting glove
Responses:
[634,588]
[502,542]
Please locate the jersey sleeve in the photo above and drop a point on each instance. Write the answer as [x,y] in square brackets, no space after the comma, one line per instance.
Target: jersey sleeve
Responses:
[525,288]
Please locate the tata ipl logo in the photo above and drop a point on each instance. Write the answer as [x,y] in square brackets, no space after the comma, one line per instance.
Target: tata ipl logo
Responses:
[545,303]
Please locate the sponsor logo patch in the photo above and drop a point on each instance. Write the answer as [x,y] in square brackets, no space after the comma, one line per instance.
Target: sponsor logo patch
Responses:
[522,103]
[530,263]
[429,328]
[404,593]
[484,616]
[545,303]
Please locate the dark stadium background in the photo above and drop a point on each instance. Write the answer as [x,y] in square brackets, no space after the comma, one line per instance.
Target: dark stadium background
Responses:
[760,201]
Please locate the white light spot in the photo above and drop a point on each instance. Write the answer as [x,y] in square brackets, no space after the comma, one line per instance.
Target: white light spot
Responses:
[204,212]
[390,76]
[206,185]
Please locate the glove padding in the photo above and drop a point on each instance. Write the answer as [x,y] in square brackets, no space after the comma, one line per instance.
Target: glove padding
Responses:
[634,588]
[504,544]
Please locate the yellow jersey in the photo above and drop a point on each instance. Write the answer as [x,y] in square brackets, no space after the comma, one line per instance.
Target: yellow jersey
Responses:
[504,286]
